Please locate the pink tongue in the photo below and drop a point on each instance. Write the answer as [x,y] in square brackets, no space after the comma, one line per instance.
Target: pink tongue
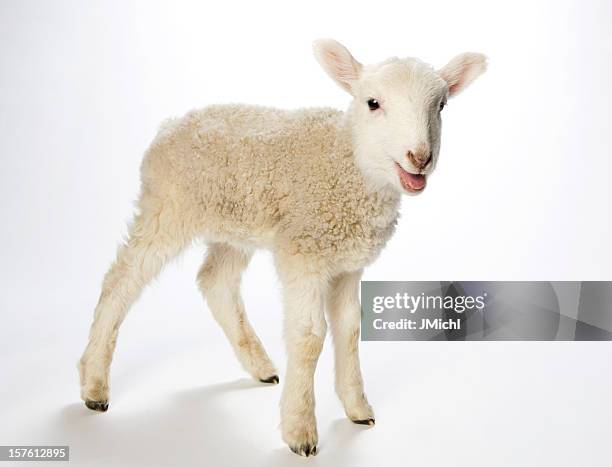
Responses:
[414,182]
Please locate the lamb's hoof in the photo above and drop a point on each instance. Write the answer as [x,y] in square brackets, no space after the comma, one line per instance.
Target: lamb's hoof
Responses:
[271,380]
[98,406]
[368,421]
[305,450]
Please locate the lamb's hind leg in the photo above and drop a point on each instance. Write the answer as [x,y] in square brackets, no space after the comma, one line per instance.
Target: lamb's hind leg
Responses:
[344,316]
[155,237]
[219,281]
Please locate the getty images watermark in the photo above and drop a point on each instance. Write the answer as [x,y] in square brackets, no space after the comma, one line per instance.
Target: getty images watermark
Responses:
[413,304]
[486,310]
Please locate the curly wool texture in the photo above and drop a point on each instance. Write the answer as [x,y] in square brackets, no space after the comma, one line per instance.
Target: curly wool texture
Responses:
[263,177]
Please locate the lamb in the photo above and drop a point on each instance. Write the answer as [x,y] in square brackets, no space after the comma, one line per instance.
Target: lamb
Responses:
[318,187]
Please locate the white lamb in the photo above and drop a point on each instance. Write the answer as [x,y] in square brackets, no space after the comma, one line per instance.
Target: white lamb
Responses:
[318,187]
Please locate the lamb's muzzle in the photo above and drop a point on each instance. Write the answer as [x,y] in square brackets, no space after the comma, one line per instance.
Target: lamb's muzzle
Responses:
[420,157]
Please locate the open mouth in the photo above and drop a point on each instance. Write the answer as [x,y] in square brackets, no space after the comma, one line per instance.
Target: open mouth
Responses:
[411,182]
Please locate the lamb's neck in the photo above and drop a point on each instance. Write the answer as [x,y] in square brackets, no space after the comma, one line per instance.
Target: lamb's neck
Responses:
[345,145]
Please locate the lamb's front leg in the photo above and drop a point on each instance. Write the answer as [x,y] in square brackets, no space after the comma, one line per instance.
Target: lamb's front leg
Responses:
[344,316]
[305,329]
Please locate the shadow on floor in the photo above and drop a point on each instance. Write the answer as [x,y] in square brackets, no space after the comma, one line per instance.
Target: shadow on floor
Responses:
[197,427]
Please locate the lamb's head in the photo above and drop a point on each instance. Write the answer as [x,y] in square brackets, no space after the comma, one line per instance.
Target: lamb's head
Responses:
[395,114]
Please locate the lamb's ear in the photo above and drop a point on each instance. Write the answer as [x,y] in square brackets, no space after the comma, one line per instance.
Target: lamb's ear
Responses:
[338,62]
[462,70]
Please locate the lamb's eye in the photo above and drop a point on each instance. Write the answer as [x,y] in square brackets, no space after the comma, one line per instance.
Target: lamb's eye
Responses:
[442,104]
[373,104]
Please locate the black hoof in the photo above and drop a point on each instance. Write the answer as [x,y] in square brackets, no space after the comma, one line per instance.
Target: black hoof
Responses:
[368,421]
[98,406]
[272,380]
[305,450]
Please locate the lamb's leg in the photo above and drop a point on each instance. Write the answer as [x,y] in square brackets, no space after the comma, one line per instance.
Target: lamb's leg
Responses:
[154,239]
[344,316]
[219,280]
[305,329]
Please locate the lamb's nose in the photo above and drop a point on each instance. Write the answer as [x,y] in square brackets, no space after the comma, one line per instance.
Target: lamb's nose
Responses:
[421,157]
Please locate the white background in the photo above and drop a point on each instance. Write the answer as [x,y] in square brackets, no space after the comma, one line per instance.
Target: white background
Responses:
[522,192]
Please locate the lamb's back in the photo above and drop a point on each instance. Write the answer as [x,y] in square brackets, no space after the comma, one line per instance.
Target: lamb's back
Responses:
[243,163]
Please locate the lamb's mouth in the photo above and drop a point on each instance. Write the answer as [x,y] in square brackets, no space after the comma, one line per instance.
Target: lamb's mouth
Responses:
[411,182]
